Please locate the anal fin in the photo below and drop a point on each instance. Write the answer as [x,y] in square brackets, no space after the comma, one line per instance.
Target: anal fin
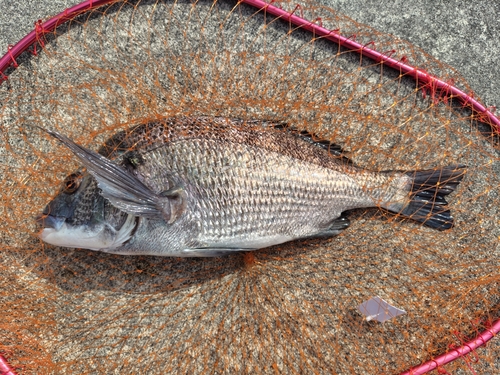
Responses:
[335,228]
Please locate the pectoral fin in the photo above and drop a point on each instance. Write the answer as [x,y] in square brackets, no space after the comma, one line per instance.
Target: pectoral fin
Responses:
[172,203]
[124,190]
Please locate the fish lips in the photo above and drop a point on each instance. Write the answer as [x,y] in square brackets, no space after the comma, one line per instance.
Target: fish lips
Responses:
[49,221]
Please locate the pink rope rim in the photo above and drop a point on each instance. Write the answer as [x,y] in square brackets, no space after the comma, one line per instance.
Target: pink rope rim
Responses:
[425,80]
[5,368]
[42,28]
[457,353]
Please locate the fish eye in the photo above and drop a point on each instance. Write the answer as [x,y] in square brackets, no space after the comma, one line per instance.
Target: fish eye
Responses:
[72,183]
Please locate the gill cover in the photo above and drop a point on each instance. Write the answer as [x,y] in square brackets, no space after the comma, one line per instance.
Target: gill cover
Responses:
[124,190]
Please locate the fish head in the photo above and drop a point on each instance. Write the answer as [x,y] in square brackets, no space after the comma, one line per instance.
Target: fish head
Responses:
[79,217]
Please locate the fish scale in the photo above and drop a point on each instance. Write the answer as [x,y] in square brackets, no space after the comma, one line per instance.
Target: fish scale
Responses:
[282,178]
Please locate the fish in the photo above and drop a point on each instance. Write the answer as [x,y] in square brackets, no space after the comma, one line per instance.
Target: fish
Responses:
[211,186]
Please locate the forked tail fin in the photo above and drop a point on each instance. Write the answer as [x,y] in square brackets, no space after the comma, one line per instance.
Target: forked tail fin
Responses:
[427,195]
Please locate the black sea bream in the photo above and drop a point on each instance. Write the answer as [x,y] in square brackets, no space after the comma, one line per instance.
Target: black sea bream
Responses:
[208,186]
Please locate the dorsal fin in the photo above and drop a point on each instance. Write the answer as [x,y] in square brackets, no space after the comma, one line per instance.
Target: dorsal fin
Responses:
[117,145]
[324,144]
[113,146]
[334,149]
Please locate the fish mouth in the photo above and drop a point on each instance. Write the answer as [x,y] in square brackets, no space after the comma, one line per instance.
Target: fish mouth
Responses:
[49,221]
[56,231]
[102,237]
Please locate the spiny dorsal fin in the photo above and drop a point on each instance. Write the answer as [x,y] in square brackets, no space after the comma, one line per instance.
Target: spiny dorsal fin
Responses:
[334,149]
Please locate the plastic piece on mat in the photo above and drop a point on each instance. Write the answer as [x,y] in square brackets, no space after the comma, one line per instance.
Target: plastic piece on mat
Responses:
[378,309]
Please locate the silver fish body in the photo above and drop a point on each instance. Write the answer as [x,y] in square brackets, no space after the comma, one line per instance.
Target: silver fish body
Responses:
[209,186]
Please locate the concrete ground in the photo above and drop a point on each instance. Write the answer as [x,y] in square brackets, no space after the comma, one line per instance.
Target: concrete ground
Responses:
[463,35]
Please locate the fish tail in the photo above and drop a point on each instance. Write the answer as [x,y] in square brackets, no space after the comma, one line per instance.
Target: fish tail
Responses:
[428,189]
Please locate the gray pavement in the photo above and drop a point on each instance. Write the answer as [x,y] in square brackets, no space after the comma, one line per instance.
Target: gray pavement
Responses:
[462,34]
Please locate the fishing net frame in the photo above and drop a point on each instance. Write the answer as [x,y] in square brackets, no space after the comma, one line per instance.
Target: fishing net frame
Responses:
[428,84]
